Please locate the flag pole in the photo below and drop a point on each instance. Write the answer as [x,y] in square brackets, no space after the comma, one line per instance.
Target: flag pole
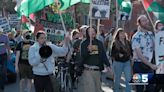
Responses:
[90,14]
[61,17]
[116,31]
[151,21]
[98,26]
[90,42]
[116,14]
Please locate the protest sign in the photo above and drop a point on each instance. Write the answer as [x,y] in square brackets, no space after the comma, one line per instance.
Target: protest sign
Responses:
[159,52]
[55,31]
[100,9]
[4,24]
[13,20]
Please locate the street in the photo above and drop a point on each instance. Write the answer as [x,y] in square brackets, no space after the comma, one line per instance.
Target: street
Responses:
[42,37]
[107,85]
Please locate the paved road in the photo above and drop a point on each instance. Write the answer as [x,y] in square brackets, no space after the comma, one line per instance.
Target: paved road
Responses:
[107,85]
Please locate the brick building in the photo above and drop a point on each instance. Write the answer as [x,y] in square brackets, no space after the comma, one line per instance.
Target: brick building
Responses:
[129,26]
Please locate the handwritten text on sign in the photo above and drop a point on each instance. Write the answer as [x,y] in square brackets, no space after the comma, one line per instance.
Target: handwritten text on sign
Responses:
[159,51]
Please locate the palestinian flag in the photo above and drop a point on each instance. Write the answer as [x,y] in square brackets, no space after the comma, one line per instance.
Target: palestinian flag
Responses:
[119,2]
[68,3]
[161,58]
[155,8]
[25,23]
[126,6]
[125,9]
[26,7]
[85,1]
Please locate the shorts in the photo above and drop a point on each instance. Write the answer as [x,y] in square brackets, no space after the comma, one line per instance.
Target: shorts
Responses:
[25,71]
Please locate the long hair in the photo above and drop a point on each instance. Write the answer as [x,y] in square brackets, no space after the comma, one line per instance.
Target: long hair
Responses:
[87,32]
[118,42]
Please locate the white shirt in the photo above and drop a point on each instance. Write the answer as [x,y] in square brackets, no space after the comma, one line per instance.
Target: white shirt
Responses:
[144,41]
[35,59]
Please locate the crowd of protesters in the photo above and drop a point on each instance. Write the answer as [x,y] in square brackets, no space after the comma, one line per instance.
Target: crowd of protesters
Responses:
[92,53]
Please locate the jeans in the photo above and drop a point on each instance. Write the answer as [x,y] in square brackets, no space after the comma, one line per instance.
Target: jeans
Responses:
[137,69]
[120,67]
[3,70]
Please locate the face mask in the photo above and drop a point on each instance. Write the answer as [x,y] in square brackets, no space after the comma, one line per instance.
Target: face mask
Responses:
[28,37]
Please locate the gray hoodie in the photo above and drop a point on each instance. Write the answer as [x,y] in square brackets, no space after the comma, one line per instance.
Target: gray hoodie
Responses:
[35,59]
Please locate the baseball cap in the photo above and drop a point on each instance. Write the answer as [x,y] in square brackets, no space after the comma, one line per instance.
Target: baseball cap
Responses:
[25,31]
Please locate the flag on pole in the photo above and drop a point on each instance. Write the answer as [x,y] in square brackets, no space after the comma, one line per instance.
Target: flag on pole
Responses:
[126,6]
[147,4]
[155,8]
[85,1]
[26,7]
[119,2]
[125,9]
[32,17]
[24,19]
[68,3]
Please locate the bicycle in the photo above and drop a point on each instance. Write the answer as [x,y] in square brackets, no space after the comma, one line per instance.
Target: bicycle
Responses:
[64,76]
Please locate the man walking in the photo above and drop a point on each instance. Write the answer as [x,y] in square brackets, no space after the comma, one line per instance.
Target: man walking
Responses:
[4,54]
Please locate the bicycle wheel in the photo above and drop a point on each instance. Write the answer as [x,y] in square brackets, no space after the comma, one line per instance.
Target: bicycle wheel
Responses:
[75,83]
[68,86]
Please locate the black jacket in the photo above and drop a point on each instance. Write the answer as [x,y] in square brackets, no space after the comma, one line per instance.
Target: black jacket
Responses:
[102,55]
[126,53]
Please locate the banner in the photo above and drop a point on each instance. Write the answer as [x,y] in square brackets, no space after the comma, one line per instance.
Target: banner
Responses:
[100,9]
[55,31]
[4,24]
[68,19]
[159,51]
[13,20]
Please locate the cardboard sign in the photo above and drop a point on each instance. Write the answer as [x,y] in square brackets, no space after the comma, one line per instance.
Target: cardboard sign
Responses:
[13,20]
[55,31]
[159,51]
[100,9]
[4,24]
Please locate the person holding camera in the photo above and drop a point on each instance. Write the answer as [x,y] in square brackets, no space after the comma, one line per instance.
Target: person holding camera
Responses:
[22,65]
[41,58]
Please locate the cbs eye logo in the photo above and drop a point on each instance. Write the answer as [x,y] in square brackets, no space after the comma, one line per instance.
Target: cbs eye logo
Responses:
[140,78]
